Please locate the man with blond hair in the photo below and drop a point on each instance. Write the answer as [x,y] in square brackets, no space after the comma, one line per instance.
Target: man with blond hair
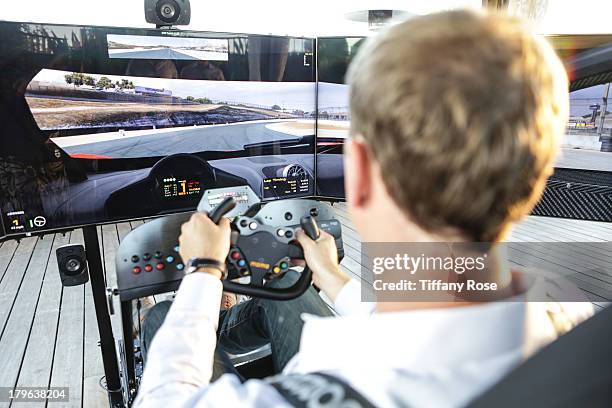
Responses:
[456,120]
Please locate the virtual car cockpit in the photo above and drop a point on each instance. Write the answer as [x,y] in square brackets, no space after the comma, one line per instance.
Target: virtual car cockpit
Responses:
[105,124]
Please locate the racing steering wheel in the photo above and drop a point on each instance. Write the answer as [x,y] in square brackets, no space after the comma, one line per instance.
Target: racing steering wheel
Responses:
[262,245]
[250,238]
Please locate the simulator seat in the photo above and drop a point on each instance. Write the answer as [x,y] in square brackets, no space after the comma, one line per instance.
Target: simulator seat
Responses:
[573,371]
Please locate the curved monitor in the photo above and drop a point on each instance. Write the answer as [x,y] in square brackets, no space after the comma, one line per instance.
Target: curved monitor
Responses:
[103,124]
[334,55]
[581,186]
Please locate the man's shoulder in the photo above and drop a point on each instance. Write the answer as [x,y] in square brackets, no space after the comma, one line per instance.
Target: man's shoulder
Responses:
[555,306]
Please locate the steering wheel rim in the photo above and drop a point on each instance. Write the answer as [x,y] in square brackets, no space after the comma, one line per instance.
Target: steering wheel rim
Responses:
[291,292]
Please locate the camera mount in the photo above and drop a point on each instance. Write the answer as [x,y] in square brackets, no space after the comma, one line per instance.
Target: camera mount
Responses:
[167,13]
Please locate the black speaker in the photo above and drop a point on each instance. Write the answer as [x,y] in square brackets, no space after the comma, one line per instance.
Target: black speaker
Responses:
[72,264]
[168,12]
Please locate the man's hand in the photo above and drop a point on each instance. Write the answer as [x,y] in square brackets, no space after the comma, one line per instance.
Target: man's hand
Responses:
[322,259]
[202,238]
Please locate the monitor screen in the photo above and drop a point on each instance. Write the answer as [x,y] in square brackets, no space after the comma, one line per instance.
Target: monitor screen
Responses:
[107,124]
[581,185]
[333,57]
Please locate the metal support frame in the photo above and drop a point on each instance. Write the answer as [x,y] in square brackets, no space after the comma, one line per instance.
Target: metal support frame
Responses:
[107,340]
[128,339]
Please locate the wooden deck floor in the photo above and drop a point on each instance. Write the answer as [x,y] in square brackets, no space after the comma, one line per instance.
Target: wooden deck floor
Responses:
[584,160]
[49,336]
[592,273]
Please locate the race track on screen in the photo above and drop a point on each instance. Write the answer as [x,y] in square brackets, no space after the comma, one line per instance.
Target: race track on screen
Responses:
[164,54]
[189,139]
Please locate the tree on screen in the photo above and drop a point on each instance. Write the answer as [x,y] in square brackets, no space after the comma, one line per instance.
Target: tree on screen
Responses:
[76,78]
[105,82]
[125,84]
[89,80]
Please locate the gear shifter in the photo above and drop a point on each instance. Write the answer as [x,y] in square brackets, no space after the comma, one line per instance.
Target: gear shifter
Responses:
[310,227]
[223,208]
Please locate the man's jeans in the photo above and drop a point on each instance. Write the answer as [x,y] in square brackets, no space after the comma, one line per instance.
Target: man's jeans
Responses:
[252,324]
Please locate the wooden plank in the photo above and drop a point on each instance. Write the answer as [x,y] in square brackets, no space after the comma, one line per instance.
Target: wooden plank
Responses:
[579,237]
[7,251]
[101,242]
[14,274]
[68,358]
[596,253]
[598,230]
[588,264]
[548,233]
[38,358]
[17,329]
[110,244]
[584,159]
[583,281]
[135,224]
[573,230]
[572,257]
[123,229]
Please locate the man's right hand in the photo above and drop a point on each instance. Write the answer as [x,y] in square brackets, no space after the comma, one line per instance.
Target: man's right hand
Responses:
[322,259]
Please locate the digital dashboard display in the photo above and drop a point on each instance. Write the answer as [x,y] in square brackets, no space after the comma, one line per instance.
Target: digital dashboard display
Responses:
[173,188]
[285,186]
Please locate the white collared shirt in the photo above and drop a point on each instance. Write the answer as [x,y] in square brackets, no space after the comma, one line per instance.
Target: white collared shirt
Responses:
[430,358]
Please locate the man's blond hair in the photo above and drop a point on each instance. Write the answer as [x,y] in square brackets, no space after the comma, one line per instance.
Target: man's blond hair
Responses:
[463,112]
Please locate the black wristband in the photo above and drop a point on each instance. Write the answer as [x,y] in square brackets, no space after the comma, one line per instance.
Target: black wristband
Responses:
[196,263]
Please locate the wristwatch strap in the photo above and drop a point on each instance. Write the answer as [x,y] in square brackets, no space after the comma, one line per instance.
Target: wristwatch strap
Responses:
[195,264]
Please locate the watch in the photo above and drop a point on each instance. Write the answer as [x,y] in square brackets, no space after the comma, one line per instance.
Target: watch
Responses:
[196,263]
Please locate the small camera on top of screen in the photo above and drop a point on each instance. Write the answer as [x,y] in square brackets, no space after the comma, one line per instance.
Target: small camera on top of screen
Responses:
[167,12]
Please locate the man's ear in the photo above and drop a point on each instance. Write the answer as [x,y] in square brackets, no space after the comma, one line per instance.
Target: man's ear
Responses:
[357,182]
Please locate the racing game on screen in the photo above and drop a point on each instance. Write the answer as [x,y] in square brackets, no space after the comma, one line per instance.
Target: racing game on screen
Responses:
[334,55]
[108,124]
[581,186]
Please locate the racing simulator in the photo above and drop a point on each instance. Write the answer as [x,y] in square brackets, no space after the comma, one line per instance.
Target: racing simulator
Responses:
[110,124]
[107,124]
